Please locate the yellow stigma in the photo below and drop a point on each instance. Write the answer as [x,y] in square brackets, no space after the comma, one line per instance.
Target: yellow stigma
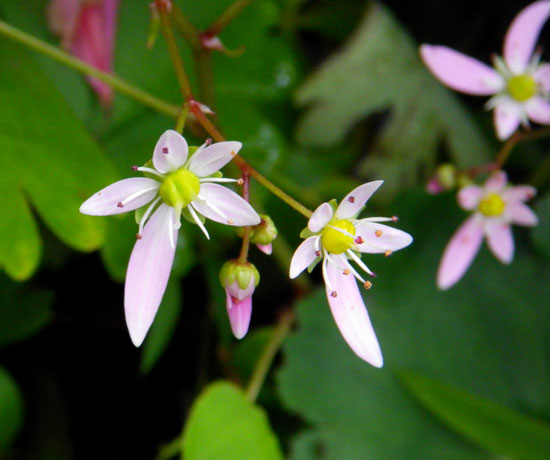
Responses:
[338,241]
[522,87]
[492,205]
[179,188]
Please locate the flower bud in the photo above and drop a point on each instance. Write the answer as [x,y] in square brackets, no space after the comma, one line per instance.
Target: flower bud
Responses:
[444,179]
[263,234]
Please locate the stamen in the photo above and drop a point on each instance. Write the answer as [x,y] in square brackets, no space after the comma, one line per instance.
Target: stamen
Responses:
[341,230]
[334,294]
[138,236]
[233,153]
[388,253]
[351,199]
[149,170]
[325,276]
[230,222]
[359,240]
[240,181]
[346,271]
[367,285]
[218,179]
[165,150]
[208,141]
[119,204]
[318,253]
[395,218]
[376,219]
[197,220]
[146,214]
[134,168]
[135,195]
[378,233]
[359,262]
[171,229]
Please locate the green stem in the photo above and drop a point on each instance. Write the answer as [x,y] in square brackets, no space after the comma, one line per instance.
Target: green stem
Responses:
[180,123]
[186,28]
[227,16]
[61,56]
[516,139]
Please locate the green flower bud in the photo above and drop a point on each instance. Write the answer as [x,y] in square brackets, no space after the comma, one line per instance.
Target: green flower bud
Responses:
[241,273]
[264,233]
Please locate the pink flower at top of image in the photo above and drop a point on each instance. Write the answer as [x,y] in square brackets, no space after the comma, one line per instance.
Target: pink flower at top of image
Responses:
[519,84]
[495,206]
[87,31]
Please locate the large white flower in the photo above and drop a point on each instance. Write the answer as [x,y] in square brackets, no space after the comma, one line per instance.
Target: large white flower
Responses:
[337,236]
[181,185]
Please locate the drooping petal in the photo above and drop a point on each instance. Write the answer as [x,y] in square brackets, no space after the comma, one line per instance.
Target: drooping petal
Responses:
[460,72]
[148,272]
[506,118]
[170,152]
[519,193]
[496,182]
[356,199]
[521,214]
[239,313]
[522,35]
[265,248]
[62,19]
[542,77]
[213,158]
[500,240]
[378,238]
[216,200]
[320,217]
[460,252]
[122,196]
[351,316]
[304,256]
[468,197]
[538,110]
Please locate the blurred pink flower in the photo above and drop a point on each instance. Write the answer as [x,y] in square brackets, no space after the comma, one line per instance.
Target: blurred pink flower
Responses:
[87,30]
[519,84]
[495,207]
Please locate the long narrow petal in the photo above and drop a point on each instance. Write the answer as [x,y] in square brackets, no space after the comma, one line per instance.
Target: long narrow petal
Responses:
[496,182]
[148,272]
[378,238]
[460,252]
[521,214]
[519,193]
[320,217]
[170,152]
[468,197]
[460,72]
[356,199]
[114,198]
[542,77]
[506,118]
[522,35]
[213,158]
[351,316]
[303,256]
[239,313]
[538,110]
[236,210]
[500,240]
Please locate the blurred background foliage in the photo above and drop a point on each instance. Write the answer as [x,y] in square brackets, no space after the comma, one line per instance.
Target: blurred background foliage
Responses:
[327,94]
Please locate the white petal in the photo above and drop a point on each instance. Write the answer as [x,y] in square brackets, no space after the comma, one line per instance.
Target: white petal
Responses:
[356,199]
[389,239]
[213,158]
[122,196]
[170,152]
[542,77]
[304,256]
[468,197]
[519,193]
[521,214]
[239,313]
[538,110]
[148,272]
[320,217]
[500,240]
[496,182]
[506,118]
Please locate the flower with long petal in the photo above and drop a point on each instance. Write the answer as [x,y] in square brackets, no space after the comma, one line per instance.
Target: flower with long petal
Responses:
[180,185]
[519,84]
[337,237]
[495,207]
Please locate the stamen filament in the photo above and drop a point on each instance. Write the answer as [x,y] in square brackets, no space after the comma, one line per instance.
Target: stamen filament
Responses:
[146,214]
[197,220]
[219,179]
[137,194]
[359,262]
[213,207]
[325,276]
[150,171]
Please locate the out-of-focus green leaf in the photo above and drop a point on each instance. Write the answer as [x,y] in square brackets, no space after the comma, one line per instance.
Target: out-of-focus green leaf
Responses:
[249,349]
[48,159]
[11,410]
[224,425]
[541,233]
[496,428]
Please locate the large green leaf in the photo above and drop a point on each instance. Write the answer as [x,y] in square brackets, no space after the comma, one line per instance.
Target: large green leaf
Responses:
[11,410]
[224,425]
[541,233]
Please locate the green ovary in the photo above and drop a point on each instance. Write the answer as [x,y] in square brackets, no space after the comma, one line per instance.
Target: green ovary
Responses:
[492,205]
[338,241]
[522,87]
[179,188]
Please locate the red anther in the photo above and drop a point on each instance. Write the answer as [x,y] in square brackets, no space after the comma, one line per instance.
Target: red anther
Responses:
[208,141]
[164,149]
[359,240]
[367,285]
[378,233]
[334,294]
[351,199]
[395,218]
[318,253]
[120,205]
[134,168]
[138,237]
[372,274]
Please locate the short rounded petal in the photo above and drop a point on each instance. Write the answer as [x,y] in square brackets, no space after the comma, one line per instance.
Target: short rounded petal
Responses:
[354,201]
[213,158]
[122,196]
[350,315]
[238,293]
[506,118]
[320,217]
[496,182]
[519,193]
[542,77]
[170,152]
[265,248]
[378,238]
[460,72]
[468,197]
[239,313]
[148,272]
[460,252]
[521,214]
[500,240]
[304,256]
[221,205]
[538,110]
[523,33]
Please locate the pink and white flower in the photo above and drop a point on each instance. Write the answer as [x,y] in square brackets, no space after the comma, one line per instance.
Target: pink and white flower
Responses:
[495,207]
[181,185]
[336,238]
[519,84]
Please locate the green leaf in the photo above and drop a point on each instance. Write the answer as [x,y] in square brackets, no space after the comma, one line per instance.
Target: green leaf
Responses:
[48,161]
[11,410]
[494,427]
[224,425]
[541,233]
[248,351]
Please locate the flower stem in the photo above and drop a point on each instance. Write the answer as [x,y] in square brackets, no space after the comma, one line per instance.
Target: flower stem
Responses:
[519,136]
[243,256]
[226,17]
[180,123]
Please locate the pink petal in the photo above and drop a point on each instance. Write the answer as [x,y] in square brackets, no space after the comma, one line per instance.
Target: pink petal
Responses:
[521,214]
[496,182]
[235,291]
[148,272]
[542,77]
[538,110]
[461,72]
[390,239]
[351,316]
[506,119]
[62,17]
[500,240]
[460,252]
[468,197]
[304,256]
[239,313]
[170,152]
[236,211]
[519,193]
[213,158]
[265,248]
[354,201]
[522,35]
[110,200]
[320,217]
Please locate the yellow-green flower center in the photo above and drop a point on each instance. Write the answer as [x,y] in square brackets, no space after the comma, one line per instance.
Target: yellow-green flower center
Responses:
[337,236]
[522,87]
[492,205]
[179,188]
